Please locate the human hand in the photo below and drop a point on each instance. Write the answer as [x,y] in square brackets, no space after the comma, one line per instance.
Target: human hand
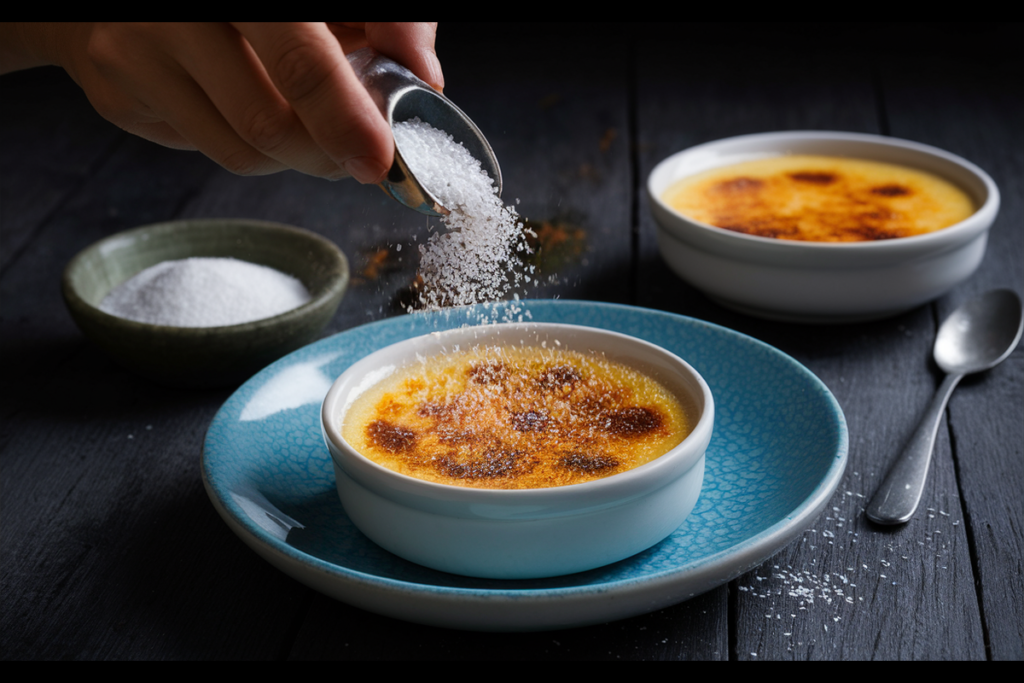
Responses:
[256,98]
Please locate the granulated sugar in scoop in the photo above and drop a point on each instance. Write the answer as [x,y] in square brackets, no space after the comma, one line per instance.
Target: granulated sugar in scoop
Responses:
[205,292]
[473,262]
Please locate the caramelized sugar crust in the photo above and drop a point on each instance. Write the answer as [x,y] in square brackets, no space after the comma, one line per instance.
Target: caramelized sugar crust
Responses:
[514,417]
[821,199]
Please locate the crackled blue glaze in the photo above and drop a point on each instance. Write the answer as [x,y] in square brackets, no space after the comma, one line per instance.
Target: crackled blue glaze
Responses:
[778,451]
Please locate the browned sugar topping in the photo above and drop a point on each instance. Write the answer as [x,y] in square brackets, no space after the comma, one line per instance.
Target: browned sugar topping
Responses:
[891,191]
[391,438]
[492,464]
[815,177]
[521,421]
[822,199]
[581,462]
[633,421]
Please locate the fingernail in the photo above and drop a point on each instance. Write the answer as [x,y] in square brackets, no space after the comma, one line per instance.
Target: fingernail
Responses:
[365,170]
[434,67]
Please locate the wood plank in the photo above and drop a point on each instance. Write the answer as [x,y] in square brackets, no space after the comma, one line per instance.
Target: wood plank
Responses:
[971,104]
[683,632]
[869,368]
[111,548]
[140,183]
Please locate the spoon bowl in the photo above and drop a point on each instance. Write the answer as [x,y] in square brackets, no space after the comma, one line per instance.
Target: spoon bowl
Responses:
[401,96]
[978,335]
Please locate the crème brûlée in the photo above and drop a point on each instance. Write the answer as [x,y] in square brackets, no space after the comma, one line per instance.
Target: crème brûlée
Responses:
[821,199]
[516,418]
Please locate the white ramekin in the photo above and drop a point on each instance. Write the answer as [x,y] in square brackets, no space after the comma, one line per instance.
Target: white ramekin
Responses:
[818,281]
[514,534]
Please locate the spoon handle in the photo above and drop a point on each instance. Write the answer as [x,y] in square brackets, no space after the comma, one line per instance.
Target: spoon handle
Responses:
[897,498]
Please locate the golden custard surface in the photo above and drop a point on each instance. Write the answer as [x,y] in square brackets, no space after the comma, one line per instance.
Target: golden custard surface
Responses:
[820,199]
[516,417]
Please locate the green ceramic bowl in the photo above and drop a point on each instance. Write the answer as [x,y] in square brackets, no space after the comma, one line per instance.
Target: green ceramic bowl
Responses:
[205,356]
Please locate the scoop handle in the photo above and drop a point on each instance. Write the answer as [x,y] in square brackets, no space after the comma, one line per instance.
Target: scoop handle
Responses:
[897,498]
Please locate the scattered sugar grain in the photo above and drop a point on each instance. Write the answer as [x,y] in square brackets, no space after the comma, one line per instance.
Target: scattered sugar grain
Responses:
[205,292]
[812,590]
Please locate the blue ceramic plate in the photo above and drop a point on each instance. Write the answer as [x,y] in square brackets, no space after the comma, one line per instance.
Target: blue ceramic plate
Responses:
[777,454]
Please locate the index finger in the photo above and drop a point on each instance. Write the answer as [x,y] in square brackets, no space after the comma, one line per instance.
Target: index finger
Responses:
[411,44]
[308,67]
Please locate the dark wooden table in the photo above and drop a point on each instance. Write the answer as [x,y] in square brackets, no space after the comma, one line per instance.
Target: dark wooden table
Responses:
[110,549]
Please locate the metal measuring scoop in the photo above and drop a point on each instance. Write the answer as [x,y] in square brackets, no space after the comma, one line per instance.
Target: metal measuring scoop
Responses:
[401,96]
[977,336]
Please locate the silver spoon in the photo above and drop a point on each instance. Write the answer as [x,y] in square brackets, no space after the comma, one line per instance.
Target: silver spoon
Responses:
[401,96]
[980,334]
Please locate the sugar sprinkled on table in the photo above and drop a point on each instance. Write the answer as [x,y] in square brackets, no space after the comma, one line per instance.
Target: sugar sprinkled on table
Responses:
[791,593]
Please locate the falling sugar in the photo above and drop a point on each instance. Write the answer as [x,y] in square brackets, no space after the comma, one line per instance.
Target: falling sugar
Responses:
[205,292]
[475,260]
